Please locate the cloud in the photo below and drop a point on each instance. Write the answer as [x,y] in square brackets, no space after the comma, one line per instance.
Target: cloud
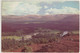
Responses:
[45,6]
[19,8]
[26,7]
[63,10]
[34,1]
[8,7]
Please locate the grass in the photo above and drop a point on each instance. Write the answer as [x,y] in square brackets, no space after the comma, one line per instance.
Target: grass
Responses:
[55,32]
[11,37]
[48,31]
[29,36]
[16,37]
[75,32]
[33,22]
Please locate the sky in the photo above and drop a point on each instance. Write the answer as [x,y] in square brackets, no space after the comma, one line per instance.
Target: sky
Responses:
[39,7]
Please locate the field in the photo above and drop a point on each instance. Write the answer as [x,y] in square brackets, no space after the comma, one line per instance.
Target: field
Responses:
[11,37]
[26,36]
[67,44]
[44,42]
[40,34]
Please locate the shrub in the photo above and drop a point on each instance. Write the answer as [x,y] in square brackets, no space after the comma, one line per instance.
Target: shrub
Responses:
[27,49]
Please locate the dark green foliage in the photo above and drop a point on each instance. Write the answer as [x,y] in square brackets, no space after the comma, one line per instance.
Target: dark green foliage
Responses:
[27,49]
[46,38]
[10,43]
[43,36]
[7,43]
[16,33]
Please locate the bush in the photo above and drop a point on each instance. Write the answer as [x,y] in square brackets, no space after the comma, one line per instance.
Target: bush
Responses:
[27,49]
[10,43]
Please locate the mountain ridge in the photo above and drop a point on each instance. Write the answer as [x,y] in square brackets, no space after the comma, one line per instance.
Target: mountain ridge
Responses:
[39,17]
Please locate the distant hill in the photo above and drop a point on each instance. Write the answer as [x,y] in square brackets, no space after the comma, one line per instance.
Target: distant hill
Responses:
[40,17]
[12,23]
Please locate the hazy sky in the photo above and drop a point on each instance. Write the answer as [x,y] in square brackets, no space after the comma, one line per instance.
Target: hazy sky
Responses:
[41,7]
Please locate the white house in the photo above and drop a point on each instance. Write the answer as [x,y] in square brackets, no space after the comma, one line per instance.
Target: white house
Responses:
[65,33]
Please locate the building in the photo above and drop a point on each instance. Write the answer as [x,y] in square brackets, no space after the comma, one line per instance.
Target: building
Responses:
[65,33]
